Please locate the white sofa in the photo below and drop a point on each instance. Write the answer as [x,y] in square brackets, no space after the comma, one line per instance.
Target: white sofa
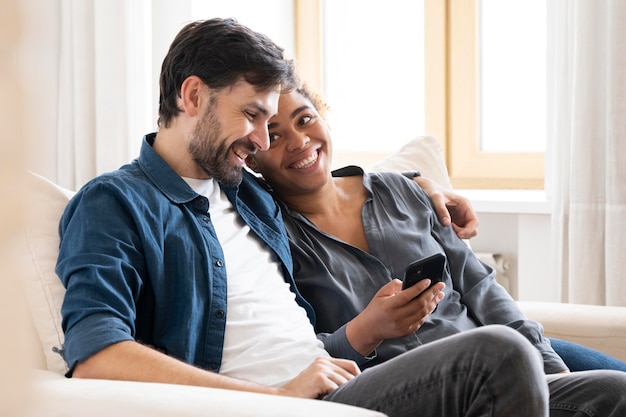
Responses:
[602,328]
[54,395]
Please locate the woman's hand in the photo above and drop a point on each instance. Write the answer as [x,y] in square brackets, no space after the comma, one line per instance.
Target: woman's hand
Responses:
[392,313]
[451,208]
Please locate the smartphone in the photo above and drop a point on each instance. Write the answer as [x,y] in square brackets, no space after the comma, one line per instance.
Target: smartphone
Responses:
[430,267]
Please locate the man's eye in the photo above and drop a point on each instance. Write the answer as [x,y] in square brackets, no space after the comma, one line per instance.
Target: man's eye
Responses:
[250,115]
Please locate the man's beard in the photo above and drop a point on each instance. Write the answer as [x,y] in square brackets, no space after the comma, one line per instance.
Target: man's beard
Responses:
[211,153]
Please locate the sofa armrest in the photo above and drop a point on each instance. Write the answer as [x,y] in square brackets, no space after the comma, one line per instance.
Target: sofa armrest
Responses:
[60,396]
[602,328]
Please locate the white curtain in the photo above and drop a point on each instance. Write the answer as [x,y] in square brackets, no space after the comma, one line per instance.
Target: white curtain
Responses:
[87,60]
[587,129]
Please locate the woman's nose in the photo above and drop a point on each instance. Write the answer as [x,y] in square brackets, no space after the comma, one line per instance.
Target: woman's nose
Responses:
[298,141]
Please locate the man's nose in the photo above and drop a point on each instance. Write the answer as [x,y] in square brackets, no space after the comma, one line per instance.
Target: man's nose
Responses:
[260,137]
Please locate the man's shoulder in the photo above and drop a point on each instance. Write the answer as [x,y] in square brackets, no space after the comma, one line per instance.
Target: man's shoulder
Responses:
[125,189]
[127,178]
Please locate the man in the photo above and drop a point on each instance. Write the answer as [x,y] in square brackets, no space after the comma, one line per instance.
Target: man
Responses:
[177,266]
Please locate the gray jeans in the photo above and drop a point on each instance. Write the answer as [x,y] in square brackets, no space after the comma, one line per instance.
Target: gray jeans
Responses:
[489,371]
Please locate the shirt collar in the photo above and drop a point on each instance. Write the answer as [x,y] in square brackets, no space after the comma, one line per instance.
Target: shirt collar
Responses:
[348,171]
[162,175]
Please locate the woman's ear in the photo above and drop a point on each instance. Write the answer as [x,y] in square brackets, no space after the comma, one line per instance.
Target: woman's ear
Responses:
[190,95]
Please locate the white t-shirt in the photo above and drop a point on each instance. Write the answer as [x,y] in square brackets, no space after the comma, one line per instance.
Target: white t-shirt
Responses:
[269,338]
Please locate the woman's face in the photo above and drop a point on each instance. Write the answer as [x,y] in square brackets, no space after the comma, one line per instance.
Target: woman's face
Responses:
[298,160]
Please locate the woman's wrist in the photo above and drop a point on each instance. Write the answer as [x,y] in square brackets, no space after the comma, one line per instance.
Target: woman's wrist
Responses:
[360,338]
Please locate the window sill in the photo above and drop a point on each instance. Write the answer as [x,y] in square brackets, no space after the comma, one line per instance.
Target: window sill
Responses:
[508,201]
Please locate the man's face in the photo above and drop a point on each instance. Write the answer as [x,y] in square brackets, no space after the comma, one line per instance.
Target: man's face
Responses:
[234,125]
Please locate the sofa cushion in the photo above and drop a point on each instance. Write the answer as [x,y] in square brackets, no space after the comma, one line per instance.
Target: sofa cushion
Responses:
[424,154]
[43,288]
[60,396]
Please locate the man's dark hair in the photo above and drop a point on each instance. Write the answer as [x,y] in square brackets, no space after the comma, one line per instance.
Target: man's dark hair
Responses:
[220,52]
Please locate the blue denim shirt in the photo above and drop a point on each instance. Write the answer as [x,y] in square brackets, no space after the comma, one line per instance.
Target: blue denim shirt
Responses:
[140,260]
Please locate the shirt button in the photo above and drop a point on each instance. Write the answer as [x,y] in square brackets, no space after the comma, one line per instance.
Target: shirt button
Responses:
[219,314]
[219,264]
[212,366]
[205,219]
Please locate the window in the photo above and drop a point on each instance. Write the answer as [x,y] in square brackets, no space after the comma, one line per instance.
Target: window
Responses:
[455,81]
[372,81]
[513,71]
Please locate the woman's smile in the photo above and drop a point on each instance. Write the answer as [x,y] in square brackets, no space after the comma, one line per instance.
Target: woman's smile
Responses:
[306,162]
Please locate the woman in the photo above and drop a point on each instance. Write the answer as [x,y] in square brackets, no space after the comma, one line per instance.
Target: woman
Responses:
[353,233]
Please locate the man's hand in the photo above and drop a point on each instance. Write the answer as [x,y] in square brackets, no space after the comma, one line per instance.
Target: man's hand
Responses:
[321,377]
[392,313]
[451,208]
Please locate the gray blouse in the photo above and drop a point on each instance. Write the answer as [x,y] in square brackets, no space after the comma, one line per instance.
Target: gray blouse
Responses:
[401,226]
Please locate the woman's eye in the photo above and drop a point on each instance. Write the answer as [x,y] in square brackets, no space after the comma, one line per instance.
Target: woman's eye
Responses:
[304,120]
[273,137]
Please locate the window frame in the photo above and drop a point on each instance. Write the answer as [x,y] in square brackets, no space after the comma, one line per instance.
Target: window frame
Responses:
[309,42]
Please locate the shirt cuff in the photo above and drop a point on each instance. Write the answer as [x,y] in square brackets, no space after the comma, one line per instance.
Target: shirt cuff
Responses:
[338,346]
[552,362]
